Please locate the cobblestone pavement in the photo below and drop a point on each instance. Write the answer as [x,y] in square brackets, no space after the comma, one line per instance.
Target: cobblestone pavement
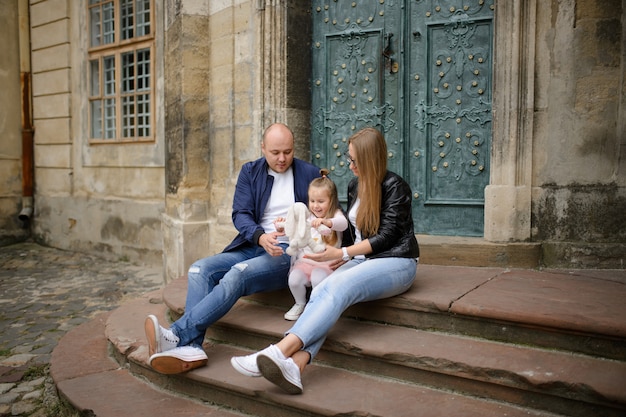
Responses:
[44,293]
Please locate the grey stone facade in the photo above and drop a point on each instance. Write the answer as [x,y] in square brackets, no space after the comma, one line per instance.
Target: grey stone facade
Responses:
[225,69]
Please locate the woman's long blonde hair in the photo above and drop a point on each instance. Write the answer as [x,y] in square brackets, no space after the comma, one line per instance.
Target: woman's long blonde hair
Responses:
[370,154]
[327,184]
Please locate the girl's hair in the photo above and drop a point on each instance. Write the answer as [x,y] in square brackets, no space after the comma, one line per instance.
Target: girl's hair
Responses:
[327,184]
[370,154]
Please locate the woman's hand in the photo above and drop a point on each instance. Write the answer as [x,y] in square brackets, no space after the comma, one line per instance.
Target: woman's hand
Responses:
[336,263]
[331,253]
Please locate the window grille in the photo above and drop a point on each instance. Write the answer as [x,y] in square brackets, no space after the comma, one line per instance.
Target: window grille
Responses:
[121,85]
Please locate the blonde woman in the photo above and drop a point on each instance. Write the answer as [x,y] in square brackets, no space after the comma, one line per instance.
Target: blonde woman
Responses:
[381,263]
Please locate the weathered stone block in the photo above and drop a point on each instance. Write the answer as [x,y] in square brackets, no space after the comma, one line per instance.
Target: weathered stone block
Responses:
[50,34]
[53,156]
[52,58]
[141,183]
[52,182]
[221,24]
[221,53]
[48,11]
[52,106]
[52,82]
[10,177]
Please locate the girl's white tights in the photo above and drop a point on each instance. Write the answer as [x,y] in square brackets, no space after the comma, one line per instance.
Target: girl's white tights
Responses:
[298,283]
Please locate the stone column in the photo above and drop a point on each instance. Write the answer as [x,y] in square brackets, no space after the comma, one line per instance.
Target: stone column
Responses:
[231,69]
[508,196]
[284,44]
[186,220]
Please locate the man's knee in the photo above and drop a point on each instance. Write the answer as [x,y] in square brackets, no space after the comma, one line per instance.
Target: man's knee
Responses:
[240,266]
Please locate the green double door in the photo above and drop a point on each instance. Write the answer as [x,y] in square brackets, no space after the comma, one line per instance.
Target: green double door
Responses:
[420,71]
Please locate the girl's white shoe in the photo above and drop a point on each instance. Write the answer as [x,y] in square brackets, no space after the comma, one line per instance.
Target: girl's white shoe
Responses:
[294,312]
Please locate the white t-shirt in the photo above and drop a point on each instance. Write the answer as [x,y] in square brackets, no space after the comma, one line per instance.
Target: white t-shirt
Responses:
[281,198]
[352,218]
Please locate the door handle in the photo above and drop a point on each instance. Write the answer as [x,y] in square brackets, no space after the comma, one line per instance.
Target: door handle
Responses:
[388,54]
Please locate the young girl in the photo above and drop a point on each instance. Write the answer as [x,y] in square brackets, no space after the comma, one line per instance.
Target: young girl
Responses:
[325,209]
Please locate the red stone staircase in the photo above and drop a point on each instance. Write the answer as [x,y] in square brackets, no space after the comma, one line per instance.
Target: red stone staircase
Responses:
[462,342]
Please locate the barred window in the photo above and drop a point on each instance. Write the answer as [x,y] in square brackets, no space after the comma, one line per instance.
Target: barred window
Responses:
[121,84]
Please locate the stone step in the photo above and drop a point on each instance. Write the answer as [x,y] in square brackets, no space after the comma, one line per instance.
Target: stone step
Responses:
[478,252]
[328,390]
[417,354]
[553,380]
[560,382]
[574,311]
[92,382]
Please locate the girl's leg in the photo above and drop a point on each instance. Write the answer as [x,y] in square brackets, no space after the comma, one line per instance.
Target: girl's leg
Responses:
[317,276]
[297,284]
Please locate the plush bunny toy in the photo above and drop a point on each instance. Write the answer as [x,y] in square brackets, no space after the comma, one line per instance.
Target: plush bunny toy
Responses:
[298,228]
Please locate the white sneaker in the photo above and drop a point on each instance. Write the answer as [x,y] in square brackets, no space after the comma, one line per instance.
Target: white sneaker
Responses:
[282,372]
[294,312]
[159,338]
[178,360]
[246,365]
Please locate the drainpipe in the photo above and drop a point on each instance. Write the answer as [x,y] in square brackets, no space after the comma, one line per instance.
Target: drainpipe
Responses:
[28,148]
[27,151]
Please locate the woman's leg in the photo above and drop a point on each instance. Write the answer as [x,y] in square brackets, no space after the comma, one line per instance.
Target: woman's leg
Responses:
[354,282]
[289,345]
[364,281]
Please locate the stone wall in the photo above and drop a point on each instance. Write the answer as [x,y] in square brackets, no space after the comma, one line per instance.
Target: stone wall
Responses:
[211,94]
[579,181]
[226,69]
[92,198]
[231,70]
[11,190]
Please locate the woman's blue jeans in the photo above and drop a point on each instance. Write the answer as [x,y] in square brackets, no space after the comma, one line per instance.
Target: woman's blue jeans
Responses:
[217,282]
[354,282]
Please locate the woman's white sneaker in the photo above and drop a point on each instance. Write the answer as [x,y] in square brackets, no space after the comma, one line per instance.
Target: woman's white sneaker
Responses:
[280,371]
[246,365]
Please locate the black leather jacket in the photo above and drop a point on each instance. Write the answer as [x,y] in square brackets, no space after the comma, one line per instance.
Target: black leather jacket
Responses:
[395,237]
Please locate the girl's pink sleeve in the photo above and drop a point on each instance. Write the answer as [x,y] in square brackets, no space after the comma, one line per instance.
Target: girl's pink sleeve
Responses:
[340,223]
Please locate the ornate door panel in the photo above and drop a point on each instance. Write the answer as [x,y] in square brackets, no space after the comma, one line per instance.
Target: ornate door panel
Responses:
[420,71]
[356,80]
[449,84]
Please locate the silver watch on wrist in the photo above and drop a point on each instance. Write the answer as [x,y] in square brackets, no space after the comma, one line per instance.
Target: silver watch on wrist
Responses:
[345,256]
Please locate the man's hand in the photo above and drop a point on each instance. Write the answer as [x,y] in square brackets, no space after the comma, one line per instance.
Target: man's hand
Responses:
[269,242]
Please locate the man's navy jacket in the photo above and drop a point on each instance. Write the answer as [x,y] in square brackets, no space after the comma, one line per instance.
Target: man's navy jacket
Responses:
[252,193]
